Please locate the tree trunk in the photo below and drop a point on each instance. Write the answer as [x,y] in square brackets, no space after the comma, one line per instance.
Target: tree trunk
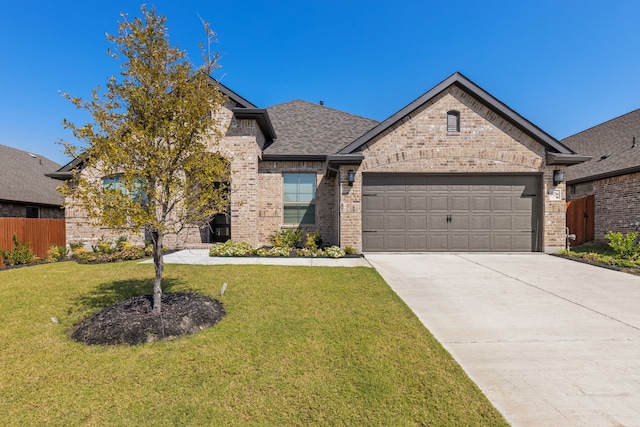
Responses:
[159,266]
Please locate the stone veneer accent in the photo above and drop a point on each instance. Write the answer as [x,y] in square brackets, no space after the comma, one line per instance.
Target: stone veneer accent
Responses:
[420,143]
[616,203]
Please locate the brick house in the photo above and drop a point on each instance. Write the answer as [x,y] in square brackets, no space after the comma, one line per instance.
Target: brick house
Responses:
[25,191]
[455,170]
[612,176]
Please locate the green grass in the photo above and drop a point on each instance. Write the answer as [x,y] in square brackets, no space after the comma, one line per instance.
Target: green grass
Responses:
[603,254]
[299,346]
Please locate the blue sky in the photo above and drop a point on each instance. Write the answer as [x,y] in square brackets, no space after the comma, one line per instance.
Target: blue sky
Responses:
[564,65]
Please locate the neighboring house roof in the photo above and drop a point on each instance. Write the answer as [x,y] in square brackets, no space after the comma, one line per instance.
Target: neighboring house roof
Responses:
[557,152]
[611,145]
[23,180]
[304,128]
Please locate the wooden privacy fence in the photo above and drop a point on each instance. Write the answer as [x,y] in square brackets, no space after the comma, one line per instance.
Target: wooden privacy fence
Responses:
[580,219]
[40,232]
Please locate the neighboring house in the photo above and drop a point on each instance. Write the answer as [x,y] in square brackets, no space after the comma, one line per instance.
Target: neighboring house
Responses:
[455,170]
[25,191]
[612,176]
[30,206]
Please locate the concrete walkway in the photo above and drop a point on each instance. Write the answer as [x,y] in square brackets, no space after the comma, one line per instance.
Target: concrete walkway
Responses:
[201,257]
[551,342]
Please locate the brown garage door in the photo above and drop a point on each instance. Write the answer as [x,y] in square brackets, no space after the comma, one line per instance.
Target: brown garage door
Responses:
[417,213]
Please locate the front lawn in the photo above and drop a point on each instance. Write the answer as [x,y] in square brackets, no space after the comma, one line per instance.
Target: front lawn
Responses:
[298,346]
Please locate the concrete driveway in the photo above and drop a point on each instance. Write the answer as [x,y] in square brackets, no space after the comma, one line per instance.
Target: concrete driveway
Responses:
[551,342]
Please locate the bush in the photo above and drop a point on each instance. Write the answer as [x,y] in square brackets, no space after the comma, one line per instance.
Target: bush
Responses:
[333,252]
[230,248]
[624,245]
[287,238]
[350,251]
[21,253]
[273,252]
[312,240]
[56,253]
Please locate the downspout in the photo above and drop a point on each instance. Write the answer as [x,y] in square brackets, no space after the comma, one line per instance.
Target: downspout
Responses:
[337,171]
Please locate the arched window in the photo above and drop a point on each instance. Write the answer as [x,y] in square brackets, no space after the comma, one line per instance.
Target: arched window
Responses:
[453,121]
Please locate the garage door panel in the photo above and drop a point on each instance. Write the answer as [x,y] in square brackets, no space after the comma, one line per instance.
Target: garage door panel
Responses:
[417,242]
[522,242]
[459,242]
[502,203]
[373,222]
[459,203]
[502,222]
[396,203]
[481,223]
[396,223]
[438,242]
[460,222]
[438,222]
[481,203]
[396,242]
[417,223]
[449,212]
[417,203]
[373,203]
[480,242]
[438,203]
[523,204]
[521,223]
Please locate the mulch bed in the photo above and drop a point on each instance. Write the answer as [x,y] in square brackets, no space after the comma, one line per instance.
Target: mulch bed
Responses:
[132,321]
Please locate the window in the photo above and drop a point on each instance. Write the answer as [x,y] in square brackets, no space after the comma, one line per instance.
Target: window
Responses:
[33,212]
[453,121]
[114,182]
[299,198]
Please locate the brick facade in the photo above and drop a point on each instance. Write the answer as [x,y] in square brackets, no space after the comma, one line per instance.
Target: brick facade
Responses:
[420,143]
[270,211]
[19,210]
[616,203]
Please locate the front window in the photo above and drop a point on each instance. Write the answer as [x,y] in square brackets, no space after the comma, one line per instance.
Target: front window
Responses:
[115,183]
[299,198]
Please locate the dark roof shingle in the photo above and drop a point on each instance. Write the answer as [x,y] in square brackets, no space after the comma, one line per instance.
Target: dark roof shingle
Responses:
[304,128]
[610,144]
[22,178]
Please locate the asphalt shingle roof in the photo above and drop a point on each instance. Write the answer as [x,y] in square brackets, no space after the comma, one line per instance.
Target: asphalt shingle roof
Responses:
[305,128]
[610,144]
[22,178]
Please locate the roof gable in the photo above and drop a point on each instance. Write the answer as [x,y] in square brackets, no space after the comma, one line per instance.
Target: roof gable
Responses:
[23,179]
[551,144]
[611,146]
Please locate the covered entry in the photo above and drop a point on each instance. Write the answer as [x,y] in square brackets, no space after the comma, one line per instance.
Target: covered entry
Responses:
[418,213]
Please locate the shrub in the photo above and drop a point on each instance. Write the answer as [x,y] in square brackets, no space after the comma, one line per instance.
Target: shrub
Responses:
[333,252]
[312,240]
[310,252]
[287,238]
[103,246]
[21,253]
[350,251]
[624,245]
[56,253]
[275,251]
[230,248]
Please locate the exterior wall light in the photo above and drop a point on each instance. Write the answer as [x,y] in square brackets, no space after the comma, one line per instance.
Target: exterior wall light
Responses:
[558,177]
[351,177]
